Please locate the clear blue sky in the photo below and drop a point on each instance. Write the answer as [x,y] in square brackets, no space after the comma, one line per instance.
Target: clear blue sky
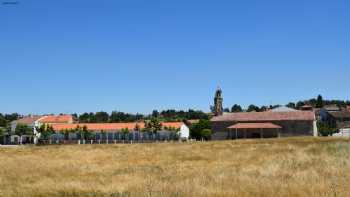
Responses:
[135,56]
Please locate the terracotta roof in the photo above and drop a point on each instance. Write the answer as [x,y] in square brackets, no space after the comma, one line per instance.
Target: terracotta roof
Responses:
[28,120]
[110,126]
[176,125]
[266,125]
[265,116]
[57,119]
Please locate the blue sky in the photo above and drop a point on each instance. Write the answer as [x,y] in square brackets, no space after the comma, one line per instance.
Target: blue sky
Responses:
[135,56]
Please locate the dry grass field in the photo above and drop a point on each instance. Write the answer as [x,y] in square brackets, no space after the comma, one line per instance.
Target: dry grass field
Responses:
[278,167]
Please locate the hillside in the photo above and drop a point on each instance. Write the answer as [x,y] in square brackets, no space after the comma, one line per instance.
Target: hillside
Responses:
[278,167]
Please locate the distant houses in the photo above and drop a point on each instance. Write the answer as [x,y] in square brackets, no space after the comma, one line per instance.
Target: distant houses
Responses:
[31,122]
[337,118]
[271,122]
[36,121]
[61,124]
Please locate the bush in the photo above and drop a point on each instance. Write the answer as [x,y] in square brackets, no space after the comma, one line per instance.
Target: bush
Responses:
[325,130]
[206,134]
[201,130]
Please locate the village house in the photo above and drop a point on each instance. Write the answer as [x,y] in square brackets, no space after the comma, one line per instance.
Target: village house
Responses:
[63,123]
[36,121]
[282,122]
[339,120]
[336,117]
[33,121]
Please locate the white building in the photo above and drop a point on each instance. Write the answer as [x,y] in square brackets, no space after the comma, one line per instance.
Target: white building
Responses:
[184,132]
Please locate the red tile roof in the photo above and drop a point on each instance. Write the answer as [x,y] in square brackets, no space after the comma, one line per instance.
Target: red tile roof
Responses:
[176,125]
[265,116]
[57,119]
[110,126]
[266,125]
[28,120]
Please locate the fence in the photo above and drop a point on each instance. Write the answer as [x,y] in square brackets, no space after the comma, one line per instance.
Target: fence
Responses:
[111,138]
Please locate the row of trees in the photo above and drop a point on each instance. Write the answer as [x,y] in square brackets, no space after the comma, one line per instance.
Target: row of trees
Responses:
[251,108]
[170,115]
[5,119]
[318,102]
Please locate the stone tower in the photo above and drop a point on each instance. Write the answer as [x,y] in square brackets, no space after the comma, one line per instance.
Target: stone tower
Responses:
[218,110]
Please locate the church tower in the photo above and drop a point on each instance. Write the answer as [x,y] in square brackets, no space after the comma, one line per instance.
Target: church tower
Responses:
[218,110]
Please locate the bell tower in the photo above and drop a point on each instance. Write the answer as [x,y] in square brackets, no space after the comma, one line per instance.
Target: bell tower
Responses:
[218,109]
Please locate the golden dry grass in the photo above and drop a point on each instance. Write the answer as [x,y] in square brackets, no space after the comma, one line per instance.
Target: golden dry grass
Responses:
[279,167]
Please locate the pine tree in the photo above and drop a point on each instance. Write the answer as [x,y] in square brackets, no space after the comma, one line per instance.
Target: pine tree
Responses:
[319,102]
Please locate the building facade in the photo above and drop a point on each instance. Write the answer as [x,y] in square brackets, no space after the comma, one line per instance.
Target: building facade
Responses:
[281,122]
[286,124]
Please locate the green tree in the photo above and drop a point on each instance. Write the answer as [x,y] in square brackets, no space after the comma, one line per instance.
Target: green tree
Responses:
[236,108]
[252,108]
[324,129]
[155,125]
[155,114]
[2,131]
[291,105]
[84,118]
[3,121]
[152,125]
[12,117]
[87,134]
[319,102]
[206,134]
[148,127]
[196,130]
[125,131]
[102,117]
[300,104]
[22,129]
[312,102]
[46,131]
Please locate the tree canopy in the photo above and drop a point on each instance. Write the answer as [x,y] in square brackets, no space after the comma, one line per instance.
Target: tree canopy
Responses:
[45,130]
[324,129]
[252,108]
[236,108]
[153,125]
[319,102]
[22,129]
[169,115]
[201,130]
[5,119]
[2,131]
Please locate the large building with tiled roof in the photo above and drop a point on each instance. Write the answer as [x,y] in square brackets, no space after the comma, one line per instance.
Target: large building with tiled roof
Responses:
[52,119]
[275,123]
[111,127]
